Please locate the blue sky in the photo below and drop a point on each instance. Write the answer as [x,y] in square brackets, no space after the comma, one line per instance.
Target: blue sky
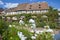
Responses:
[14,3]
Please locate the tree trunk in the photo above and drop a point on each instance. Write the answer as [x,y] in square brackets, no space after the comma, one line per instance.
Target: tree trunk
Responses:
[0,37]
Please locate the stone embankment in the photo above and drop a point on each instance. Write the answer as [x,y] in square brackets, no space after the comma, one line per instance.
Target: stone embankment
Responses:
[56,31]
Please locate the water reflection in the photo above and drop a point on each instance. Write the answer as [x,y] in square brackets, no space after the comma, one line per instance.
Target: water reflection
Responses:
[57,37]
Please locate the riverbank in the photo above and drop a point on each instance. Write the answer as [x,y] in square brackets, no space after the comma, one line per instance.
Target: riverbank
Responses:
[56,31]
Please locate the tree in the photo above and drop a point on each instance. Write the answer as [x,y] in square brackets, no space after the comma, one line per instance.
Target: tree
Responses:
[45,36]
[52,13]
[3,27]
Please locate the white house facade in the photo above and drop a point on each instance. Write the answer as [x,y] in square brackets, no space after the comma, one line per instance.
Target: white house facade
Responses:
[41,7]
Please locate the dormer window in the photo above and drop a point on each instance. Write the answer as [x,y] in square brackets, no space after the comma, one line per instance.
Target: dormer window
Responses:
[39,5]
[29,8]
[30,5]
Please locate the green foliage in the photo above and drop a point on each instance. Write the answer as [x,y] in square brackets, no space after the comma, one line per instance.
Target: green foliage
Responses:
[15,23]
[42,24]
[6,32]
[44,36]
[11,34]
[3,26]
[52,25]
[52,14]
[26,33]
[0,17]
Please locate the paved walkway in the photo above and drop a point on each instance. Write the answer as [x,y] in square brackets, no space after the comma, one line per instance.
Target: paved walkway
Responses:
[56,31]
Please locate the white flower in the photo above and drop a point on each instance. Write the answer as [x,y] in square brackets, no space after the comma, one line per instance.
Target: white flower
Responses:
[13,25]
[32,21]
[32,31]
[26,25]
[20,34]
[11,38]
[37,32]
[46,26]
[33,37]
[23,38]
[14,18]
[49,30]
[10,25]
[21,22]
[41,32]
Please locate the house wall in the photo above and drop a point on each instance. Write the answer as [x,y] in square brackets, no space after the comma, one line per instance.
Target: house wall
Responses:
[20,12]
[23,11]
[58,19]
[58,13]
[11,13]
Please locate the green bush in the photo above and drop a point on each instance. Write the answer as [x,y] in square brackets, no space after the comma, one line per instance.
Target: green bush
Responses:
[42,24]
[3,29]
[26,33]
[38,18]
[52,25]
[45,36]
[11,34]
[3,26]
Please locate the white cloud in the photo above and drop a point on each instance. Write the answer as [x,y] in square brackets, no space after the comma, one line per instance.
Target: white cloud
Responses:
[59,9]
[1,2]
[10,5]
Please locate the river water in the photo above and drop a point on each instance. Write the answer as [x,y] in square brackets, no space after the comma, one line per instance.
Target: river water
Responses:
[57,37]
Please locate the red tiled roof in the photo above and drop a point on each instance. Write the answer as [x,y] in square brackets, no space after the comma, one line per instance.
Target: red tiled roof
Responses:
[32,6]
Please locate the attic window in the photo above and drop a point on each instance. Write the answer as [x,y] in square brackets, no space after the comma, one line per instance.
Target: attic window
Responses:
[39,5]
[29,8]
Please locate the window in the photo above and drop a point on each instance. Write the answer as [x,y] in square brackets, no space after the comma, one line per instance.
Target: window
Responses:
[39,5]
[30,8]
